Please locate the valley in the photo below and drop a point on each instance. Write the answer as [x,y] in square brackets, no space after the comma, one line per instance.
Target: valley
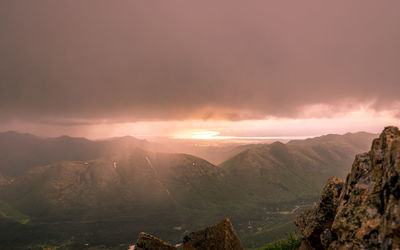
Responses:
[107,200]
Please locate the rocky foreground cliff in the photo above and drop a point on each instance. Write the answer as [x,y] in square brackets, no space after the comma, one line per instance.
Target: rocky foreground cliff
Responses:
[362,212]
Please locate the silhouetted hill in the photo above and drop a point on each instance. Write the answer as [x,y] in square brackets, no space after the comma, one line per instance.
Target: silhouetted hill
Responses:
[21,152]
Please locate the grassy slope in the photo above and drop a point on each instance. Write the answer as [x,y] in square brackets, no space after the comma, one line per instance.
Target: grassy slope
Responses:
[286,172]
[8,212]
[291,242]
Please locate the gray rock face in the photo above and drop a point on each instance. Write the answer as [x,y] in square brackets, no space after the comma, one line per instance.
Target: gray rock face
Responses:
[218,237]
[368,210]
[149,242]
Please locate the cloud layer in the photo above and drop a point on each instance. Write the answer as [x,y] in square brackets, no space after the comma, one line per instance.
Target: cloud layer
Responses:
[85,61]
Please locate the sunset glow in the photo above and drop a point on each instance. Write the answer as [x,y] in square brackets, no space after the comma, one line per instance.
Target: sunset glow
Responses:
[362,119]
[201,135]
[215,135]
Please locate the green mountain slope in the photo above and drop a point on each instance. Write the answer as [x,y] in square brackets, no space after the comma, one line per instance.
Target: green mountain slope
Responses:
[8,212]
[287,172]
[132,180]
[129,192]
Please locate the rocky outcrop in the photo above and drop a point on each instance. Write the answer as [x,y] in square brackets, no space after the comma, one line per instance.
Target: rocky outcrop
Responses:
[367,213]
[315,220]
[149,242]
[219,236]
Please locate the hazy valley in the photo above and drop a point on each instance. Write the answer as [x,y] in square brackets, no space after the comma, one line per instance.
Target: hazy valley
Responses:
[106,192]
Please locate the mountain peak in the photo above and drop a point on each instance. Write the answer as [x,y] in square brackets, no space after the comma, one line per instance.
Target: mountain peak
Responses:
[383,145]
[277,143]
[277,146]
[387,136]
[391,130]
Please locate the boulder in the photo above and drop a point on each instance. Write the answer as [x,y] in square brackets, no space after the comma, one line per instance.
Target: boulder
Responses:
[149,242]
[218,237]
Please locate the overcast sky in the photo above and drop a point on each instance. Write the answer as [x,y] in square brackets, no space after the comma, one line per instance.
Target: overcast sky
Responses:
[65,65]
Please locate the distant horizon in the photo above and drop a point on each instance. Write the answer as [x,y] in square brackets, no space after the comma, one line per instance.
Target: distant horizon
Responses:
[214,138]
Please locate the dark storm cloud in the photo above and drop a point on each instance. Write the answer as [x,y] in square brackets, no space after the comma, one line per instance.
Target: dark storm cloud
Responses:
[143,60]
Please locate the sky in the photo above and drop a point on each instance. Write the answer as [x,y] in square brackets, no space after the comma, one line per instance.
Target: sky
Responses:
[199,68]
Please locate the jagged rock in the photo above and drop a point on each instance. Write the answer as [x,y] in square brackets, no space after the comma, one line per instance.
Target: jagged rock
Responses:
[220,236]
[149,242]
[368,214]
[315,220]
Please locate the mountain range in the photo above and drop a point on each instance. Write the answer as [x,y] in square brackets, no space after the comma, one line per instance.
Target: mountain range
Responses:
[103,192]
[20,153]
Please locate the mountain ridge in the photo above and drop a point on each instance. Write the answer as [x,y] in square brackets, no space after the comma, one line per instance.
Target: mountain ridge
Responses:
[20,152]
[297,168]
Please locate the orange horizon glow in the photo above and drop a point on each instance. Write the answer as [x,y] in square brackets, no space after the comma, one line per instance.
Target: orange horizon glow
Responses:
[215,135]
[221,130]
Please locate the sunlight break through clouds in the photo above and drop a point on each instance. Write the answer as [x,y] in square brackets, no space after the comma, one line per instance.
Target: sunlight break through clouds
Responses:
[351,121]
[215,135]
